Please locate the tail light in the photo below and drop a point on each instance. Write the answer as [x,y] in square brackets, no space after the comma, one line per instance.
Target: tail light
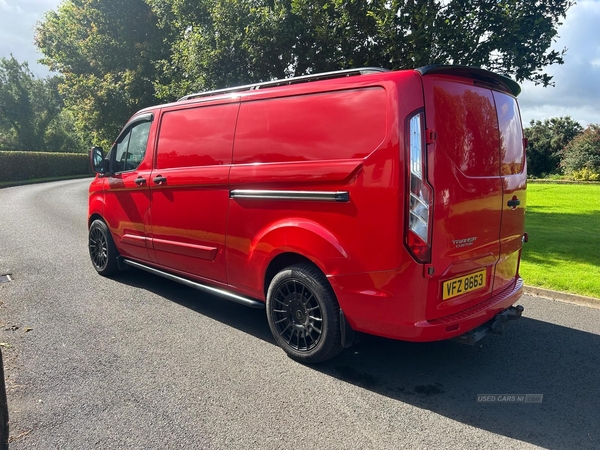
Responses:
[420,199]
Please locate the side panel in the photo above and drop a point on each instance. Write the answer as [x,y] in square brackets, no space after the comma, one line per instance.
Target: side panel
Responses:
[317,127]
[514,183]
[189,186]
[340,141]
[126,210]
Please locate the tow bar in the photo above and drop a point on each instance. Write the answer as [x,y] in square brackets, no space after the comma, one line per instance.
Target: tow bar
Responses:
[494,326]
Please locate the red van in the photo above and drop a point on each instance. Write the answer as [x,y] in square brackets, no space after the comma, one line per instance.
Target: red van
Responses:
[388,203]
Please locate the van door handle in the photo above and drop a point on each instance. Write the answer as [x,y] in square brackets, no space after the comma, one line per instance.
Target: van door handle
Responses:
[159,180]
[514,202]
[140,180]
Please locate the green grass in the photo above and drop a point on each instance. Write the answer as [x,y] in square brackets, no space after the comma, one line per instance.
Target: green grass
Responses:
[563,253]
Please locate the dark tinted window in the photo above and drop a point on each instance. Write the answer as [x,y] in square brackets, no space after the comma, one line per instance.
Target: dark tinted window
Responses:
[131,148]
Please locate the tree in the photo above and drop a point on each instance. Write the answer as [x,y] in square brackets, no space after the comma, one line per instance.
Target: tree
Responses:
[547,140]
[583,153]
[106,51]
[227,42]
[62,136]
[29,108]
[118,56]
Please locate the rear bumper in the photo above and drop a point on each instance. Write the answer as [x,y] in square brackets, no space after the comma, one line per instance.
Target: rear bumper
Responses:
[390,316]
[470,318]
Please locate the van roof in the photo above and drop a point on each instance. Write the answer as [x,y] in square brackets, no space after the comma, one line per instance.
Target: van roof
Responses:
[476,73]
[288,81]
[500,81]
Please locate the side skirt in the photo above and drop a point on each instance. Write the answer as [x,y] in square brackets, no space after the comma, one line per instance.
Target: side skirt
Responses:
[201,287]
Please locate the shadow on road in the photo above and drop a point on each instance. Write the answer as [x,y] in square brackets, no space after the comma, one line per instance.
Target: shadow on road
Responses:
[248,320]
[533,357]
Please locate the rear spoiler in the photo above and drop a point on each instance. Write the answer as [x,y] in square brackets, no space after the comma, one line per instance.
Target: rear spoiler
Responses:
[475,73]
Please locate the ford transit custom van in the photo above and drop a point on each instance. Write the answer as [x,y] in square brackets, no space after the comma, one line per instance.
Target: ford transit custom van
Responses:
[383,202]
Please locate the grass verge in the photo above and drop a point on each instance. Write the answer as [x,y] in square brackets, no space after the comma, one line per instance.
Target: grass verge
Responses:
[563,253]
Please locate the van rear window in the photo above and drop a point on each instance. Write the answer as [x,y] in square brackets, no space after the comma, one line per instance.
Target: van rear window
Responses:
[467,127]
[332,125]
[512,156]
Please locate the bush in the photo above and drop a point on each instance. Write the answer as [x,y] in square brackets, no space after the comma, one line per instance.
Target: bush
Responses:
[583,152]
[556,176]
[21,166]
[586,174]
[547,140]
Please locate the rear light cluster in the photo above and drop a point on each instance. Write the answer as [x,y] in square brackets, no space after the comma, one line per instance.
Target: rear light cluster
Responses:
[419,204]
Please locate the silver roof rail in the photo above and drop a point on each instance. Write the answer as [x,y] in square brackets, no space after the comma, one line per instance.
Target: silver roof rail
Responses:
[288,81]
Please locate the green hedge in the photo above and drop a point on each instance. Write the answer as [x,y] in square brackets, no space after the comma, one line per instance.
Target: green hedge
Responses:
[21,166]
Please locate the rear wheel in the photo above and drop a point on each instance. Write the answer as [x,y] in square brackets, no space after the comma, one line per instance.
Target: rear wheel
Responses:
[102,249]
[303,314]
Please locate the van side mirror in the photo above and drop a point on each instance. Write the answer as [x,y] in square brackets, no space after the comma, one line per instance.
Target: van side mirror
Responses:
[97,161]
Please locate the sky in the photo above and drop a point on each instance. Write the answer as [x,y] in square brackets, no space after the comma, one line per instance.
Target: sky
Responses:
[577,82]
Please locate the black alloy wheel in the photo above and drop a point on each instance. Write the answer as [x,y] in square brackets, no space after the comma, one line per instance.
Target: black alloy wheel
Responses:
[102,249]
[303,314]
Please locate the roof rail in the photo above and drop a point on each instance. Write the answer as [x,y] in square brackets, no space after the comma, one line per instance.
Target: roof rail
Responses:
[288,81]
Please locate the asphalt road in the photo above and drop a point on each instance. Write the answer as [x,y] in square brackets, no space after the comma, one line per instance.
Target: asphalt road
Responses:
[141,362]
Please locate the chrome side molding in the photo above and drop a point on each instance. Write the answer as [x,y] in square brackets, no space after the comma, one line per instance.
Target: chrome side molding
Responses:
[201,287]
[326,196]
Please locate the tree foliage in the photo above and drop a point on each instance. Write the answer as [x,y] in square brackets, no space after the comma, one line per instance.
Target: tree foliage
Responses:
[117,56]
[583,152]
[31,116]
[220,43]
[547,141]
[106,51]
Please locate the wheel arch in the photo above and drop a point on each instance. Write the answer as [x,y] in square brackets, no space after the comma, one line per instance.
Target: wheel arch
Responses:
[282,261]
[95,216]
[296,241]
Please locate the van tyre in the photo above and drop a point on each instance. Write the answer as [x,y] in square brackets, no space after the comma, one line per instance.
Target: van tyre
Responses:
[102,249]
[303,314]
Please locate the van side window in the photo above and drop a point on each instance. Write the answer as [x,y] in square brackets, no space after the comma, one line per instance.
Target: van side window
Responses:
[131,148]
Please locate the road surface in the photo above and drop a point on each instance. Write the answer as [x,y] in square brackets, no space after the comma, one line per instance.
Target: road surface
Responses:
[141,362]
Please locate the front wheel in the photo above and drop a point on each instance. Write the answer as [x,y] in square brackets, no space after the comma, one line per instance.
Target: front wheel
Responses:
[102,249]
[303,314]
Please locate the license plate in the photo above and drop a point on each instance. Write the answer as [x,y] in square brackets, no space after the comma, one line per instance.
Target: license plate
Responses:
[462,285]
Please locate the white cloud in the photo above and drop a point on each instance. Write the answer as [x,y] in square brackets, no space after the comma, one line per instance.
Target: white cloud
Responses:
[17,24]
[577,81]
[9,7]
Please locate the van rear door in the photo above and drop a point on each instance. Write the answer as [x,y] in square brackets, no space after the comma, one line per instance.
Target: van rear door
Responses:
[466,155]
[514,180]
